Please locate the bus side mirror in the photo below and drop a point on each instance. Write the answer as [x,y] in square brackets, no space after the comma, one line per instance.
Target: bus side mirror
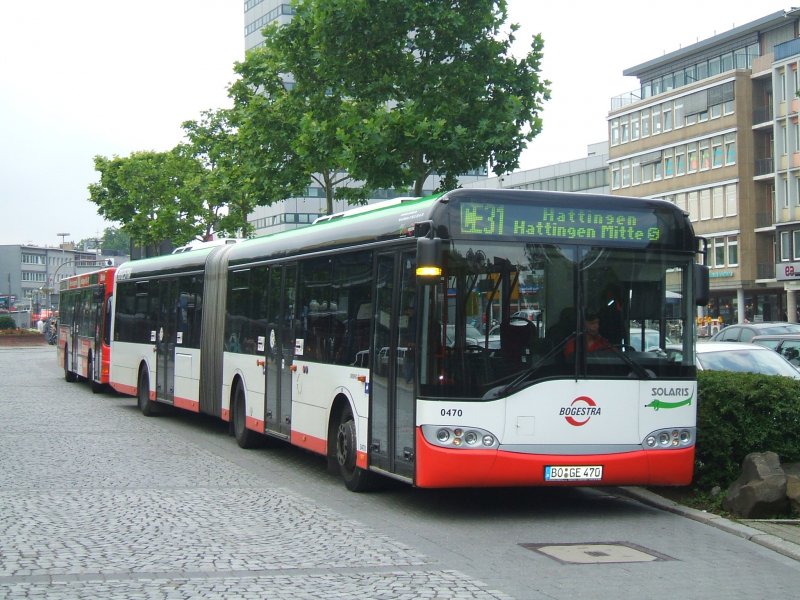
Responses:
[429,257]
[700,284]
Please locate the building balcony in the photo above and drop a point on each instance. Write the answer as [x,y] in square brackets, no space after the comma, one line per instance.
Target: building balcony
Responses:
[765,271]
[764,166]
[762,114]
[764,219]
[787,49]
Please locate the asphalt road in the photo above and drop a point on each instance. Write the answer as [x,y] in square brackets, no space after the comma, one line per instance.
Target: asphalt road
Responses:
[97,501]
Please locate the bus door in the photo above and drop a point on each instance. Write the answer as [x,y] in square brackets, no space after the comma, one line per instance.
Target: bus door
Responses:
[74,341]
[166,331]
[98,303]
[279,349]
[393,371]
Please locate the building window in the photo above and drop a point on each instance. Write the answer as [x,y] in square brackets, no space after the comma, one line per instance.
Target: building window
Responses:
[678,118]
[669,169]
[614,132]
[786,251]
[666,114]
[705,156]
[716,152]
[719,252]
[680,160]
[730,200]
[785,191]
[730,148]
[615,176]
[705,204]
[784,145]
[636,172]
[623,130]
[645,122]
[717,202]
[656,120]
[796,244]
[733,251]
[691,153]
[634,126]
[693,206]
[680,201]
[626,173]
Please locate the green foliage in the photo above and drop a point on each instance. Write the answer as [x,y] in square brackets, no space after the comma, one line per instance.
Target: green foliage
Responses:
[115,241]
[436,84]
[224,199]
[7,322]
[150,194]
[739,413]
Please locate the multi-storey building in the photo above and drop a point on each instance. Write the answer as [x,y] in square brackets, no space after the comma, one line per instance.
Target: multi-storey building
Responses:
[587,175]
[705,131]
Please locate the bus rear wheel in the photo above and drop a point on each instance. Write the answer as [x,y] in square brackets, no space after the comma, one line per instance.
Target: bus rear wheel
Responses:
[69,376]
[355,478]
[246,438]
[96,386]
[146,406]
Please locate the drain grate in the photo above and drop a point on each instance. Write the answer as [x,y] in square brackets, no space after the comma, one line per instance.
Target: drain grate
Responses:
[598,552]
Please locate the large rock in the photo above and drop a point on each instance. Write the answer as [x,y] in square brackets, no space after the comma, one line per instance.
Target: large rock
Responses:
[760,491]
[792,471]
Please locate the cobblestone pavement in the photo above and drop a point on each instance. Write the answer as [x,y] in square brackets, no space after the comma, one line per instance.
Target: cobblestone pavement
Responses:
[94,503]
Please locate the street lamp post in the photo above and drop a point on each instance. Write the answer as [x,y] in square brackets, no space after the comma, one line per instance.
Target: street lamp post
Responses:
[63,237]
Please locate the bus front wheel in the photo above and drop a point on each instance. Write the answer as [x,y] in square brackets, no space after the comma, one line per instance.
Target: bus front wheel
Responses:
[355,478]
[147,406]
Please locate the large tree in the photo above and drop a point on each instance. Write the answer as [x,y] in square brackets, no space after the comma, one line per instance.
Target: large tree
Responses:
[444,92]
[147,193]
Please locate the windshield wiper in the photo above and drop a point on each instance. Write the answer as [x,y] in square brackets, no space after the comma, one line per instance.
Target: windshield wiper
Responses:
[515,383]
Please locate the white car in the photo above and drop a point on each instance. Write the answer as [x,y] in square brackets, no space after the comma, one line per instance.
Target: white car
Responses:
[743,358]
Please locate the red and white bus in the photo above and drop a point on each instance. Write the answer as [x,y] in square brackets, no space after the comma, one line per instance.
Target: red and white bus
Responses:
[386,339]
[84,326]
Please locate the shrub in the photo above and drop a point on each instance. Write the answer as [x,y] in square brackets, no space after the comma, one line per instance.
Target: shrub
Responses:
[739,413]
[7,322]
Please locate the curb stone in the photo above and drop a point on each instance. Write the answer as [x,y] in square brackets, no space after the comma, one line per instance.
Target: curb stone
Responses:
[767,540]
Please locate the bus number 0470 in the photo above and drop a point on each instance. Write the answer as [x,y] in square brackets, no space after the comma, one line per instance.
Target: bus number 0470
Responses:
[452,412]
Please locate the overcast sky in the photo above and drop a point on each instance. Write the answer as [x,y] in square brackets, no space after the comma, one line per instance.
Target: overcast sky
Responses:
[91,77]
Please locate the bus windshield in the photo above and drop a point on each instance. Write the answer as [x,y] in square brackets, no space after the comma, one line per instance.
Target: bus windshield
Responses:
[506,315]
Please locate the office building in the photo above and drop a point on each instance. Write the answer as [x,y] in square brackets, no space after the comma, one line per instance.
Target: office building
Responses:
[713,127]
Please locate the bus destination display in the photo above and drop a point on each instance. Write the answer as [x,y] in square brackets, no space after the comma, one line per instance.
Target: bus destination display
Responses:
[560,223]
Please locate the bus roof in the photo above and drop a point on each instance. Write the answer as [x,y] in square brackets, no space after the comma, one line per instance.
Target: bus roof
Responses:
[396,219]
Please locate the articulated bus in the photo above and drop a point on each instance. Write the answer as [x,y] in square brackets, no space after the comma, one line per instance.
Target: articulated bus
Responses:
[84,327]
[437,341]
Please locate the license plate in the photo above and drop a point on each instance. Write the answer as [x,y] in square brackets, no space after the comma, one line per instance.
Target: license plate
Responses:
[573,473]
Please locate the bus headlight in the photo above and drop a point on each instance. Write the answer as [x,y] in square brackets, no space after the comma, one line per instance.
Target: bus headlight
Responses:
[459,437]
[665,439]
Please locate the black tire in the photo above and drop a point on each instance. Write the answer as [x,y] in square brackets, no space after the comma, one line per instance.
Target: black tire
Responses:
[69,376]
[146,406]
[94,385]
[355,478]
[246,438]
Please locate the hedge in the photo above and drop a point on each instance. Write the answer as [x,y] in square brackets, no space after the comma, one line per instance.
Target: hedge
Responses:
[7,322]
[739,413]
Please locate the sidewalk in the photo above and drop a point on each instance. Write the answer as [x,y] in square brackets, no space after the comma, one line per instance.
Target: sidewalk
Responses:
[782,536]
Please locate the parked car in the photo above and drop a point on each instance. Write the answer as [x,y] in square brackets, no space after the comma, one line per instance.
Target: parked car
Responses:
[652,340]
[743,358]
[787,345]
[745,332]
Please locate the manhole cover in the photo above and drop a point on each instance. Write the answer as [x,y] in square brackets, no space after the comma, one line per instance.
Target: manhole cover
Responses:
[594,553]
